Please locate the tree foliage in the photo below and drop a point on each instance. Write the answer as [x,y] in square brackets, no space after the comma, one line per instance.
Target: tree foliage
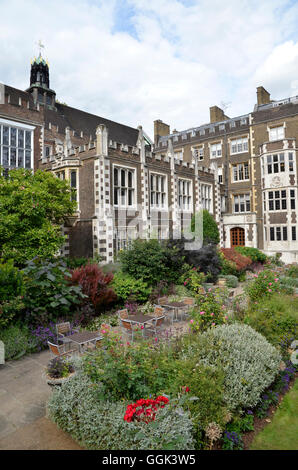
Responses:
[32,208]
[210,228]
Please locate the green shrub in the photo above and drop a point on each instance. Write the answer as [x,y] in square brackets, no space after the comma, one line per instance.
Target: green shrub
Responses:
[126,287]
[249,362]
[293,271]
[227,267]
[11,292]
[231,281]
[204,399]
[98,424]
[289,281]
[192,279]
[151,261]
[11,281]
[130,371]
[17,341]
[209,311]
[265,284]
[210,227]
[274,317]
[253,253]
[49,294]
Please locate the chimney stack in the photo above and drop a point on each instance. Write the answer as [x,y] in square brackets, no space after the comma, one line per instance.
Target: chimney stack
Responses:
[160,129]
[217,114]
[263,96]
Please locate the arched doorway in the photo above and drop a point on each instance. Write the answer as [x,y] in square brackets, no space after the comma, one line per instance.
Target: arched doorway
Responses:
[237,236]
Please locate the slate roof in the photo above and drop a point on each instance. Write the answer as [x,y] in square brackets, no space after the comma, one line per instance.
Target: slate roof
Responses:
[81,121]
[77,120]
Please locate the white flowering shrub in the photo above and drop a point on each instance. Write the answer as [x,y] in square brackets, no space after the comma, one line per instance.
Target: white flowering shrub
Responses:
[95,424]
[249,362]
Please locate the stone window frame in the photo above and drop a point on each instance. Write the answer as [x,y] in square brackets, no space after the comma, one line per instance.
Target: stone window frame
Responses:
[240,166]
[241,143]
[271,131]
[50,148]
[123,243]
[189,194]
[277,200]
[246,202]
[17,126]
[198,151]
[165,192]
[133,187]
[276,164]
[215,147]
[207,202]
[278,233]
[180,152]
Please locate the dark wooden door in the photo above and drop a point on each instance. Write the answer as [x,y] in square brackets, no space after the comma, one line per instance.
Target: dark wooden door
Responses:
[237,236]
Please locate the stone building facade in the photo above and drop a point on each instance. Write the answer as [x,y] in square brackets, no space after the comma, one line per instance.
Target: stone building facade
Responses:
[243,170]
[123,189]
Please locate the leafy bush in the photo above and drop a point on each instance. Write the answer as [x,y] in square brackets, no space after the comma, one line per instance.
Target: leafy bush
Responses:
[265,284]
[95,285]
[192,279]
[59,367]
[208,312]
[152,261]
[241,424]
[98,424]
[289,281]
[274,317]
[249,362]
[204,396]
[292,271]
[49,294]
[17,341]
[11,293]
[129,371]
[210,228]
[231,281]
[232,441]
[162,288]
[206,260]
[33,205]
[11,281]
[126,287]
[235,261]
[253,253]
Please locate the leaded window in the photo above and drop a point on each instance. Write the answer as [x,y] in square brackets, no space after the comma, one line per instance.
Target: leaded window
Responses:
[157,191]
[124,187]
[184,194]
[242,203]
[15,147]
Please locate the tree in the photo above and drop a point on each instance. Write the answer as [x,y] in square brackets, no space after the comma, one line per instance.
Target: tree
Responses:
[32,206]
[210,228]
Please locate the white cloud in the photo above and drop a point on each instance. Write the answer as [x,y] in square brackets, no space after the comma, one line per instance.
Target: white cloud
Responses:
[182,60]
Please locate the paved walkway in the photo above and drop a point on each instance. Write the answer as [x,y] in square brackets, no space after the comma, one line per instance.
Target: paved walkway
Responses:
[23,397]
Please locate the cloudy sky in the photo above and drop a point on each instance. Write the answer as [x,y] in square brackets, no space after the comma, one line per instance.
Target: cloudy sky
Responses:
[135,61]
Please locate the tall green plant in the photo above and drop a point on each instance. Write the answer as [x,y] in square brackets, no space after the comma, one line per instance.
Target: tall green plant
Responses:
[32,206]
[49,294]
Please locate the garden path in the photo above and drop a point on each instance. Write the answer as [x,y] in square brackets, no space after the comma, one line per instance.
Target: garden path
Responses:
[23,397]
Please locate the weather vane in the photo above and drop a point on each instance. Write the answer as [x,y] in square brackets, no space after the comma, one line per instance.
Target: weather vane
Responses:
[40,45]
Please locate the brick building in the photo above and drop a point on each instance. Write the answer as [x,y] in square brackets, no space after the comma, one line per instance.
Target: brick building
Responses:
[243,170]
[255,164]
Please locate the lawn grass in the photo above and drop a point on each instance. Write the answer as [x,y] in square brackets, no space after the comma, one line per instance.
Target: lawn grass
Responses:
[282,432]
